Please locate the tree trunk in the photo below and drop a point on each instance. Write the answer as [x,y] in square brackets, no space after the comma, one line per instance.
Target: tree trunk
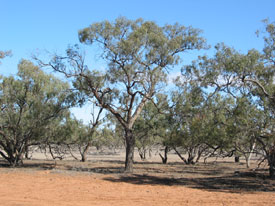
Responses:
[27,151]
[85,151]
[13,156]
[16,160]
[84,156]
[272,171]
[27,154]
[247,159]
[142,153]
[190,159]
[130,146]
[180,156]
[164,159]
[271,162]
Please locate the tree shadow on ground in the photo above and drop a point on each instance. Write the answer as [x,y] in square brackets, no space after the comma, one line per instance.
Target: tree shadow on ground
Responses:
[107,161]
[98,170]
[201,176]
[245,182]
[73,166]
[40,166]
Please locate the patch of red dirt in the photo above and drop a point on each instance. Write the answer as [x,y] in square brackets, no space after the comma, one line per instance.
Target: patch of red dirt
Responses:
[46,188]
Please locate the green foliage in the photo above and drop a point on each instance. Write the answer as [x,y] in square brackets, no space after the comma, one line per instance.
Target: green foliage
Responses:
[249,78]
[198,122]
[233,72]
[138,54]
[4,54]
[149,128]
[30,103]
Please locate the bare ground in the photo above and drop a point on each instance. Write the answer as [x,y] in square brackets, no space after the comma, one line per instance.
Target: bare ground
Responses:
[101,181]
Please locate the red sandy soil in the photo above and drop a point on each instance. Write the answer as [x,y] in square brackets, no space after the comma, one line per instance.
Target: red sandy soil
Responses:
[49,188]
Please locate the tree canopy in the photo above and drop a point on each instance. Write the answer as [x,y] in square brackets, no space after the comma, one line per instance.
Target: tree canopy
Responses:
[138,54]
[29,103]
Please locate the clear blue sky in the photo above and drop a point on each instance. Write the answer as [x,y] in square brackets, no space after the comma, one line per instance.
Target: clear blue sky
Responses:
[30,25]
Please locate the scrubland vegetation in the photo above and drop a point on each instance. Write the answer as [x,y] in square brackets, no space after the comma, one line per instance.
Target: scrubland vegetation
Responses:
[219,106]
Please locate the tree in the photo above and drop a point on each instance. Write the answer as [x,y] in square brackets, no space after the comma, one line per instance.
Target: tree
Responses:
[29,103]
[150,126]
[63,136]
[4,54]
[251,75]
[138,54]
[86,137]
[187,118]
[243,128]
[199,122]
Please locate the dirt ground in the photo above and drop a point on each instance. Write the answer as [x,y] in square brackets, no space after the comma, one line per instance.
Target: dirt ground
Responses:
[101,181]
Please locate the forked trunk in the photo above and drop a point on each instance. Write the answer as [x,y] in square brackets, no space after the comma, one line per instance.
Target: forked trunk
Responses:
[85,151]
[164,158]
[16,160]
[130,146]
[84,156]
[180,156]
[142,153]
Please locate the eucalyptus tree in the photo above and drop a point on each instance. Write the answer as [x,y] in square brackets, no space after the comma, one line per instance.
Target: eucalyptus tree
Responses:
[107,138]
[55,138]
[145,130]
[150,126]
[235,73]
[265,90]
[199,122]
[244,127]
[29,103]
[85,135]
[187,101]
[251,75]
[138,55]
[66,137]
[264,78]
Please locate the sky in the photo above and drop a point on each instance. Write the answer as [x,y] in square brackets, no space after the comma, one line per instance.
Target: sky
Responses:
[32,26]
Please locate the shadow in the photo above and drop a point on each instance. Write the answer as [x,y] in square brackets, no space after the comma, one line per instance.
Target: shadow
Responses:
[197,170]
[245,182]
[75,166]
[108,161]
[98,170]
[40,166]
[104,153]
[154,163]
[221,177]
